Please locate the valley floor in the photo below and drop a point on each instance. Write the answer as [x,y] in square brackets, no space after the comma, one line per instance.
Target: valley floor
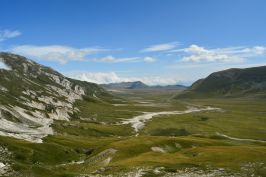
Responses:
[205,137]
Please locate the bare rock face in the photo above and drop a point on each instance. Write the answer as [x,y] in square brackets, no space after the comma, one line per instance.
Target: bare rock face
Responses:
[32,96]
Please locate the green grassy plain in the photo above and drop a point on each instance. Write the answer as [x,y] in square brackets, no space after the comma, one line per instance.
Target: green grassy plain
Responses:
[187,141]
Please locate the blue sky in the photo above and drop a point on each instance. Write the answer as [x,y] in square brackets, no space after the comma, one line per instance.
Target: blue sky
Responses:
[155,41]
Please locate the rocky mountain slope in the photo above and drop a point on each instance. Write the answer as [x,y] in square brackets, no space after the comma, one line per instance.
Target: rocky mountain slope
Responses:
[32,96]
[230,83]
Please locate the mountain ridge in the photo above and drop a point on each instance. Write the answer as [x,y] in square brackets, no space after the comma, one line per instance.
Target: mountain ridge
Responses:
[125,85]
[232,82]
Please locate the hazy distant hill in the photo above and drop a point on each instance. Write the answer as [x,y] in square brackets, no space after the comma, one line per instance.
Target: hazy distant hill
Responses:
[140,85]
[125,85]
[170,87]
[230,83]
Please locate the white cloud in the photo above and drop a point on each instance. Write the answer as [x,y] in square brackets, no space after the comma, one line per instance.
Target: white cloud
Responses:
[112,59]
[64,54]
[196,53]
[149,59]
[57,53]
[98,77]
[259,50]
[160,47]
[7,34]
[112,77]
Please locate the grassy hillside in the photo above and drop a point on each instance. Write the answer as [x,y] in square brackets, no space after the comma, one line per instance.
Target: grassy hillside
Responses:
[230,83]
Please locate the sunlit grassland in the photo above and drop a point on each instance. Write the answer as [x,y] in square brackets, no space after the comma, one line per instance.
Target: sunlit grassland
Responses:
[188,140]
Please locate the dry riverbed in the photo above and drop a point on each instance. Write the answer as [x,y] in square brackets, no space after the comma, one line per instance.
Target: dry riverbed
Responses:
[138,122]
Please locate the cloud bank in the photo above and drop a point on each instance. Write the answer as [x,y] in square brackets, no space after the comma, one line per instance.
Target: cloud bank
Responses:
[64,54]
[112,77]
[195,53]
[57,53]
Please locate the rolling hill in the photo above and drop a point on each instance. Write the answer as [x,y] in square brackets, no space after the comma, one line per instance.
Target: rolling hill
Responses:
[230,83]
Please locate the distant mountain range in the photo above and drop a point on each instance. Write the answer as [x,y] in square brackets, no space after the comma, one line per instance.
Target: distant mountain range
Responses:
[230,83]
[125,85]
[139,85]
